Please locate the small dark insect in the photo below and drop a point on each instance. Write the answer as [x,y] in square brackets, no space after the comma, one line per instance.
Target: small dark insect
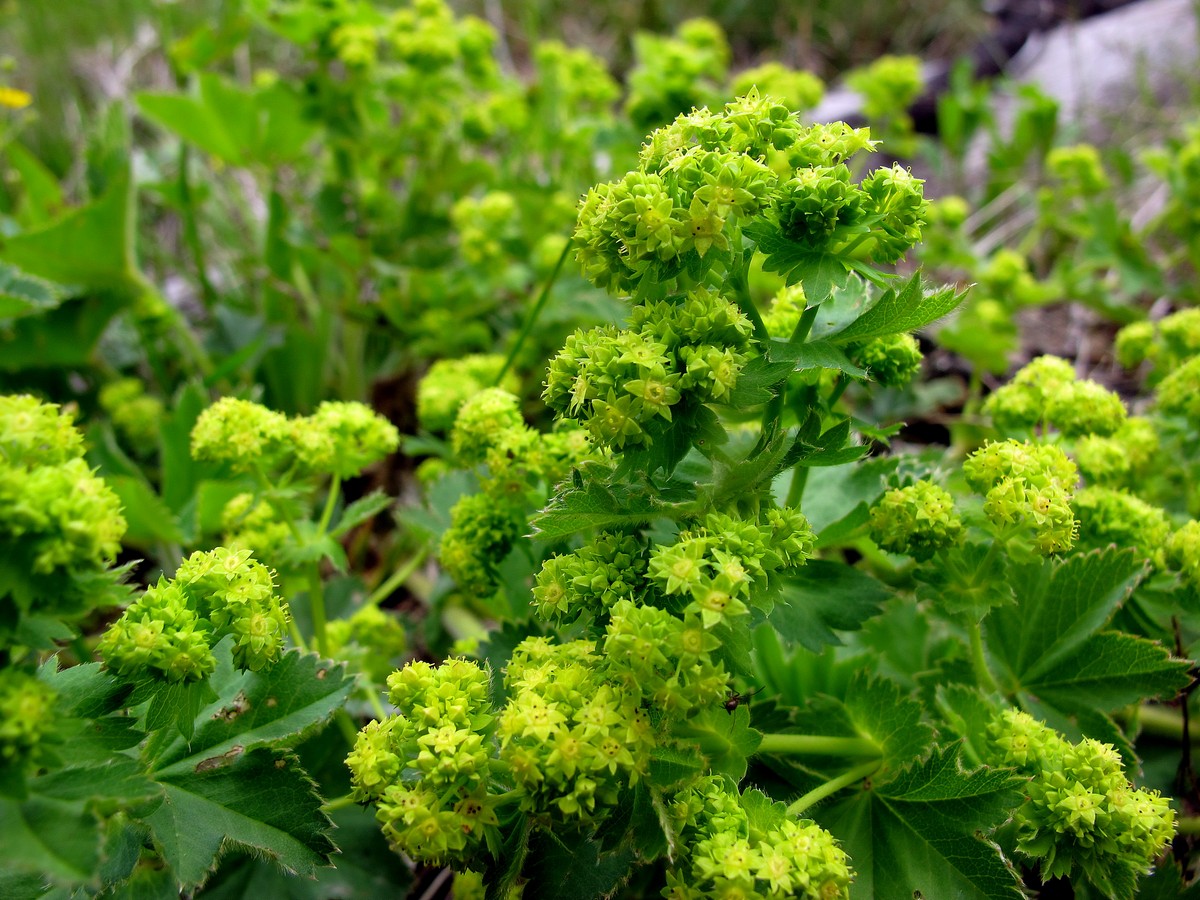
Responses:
[735,699]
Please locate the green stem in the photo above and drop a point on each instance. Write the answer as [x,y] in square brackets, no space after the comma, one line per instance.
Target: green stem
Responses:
[191,232]
[346,726]
[508,797]
[335,486]
[796,489]
[804,326]
[316,605]
[829,788]
[397,578]
[1188,825]
[376,704]
[739,283]
[979,661]
[816,744]
[297,637]
[268,494]
[534,313]
[338,803]
[1161,721]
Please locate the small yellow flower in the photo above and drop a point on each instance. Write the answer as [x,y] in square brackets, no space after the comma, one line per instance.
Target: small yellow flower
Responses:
[12,98]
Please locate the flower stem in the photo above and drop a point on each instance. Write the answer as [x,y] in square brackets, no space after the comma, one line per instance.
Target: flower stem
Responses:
[397,578]
[316,606]
[816,744]
[1188,825]
[338,803]
[330,504]
[534,313]
[979,661]
[829,788]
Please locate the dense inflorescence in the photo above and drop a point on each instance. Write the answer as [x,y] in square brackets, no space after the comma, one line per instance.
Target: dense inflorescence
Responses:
[1080,811]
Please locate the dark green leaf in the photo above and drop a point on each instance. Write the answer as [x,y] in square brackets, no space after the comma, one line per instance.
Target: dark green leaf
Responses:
[91,246]
[366,867]
[1110,670]
[275,707]
[894,312]
[597,505]
[116,778]
[361,510]
[149,520]
[919,834]
[757,380]
[825,597]
[256,800]
[670,766]
[815,355]
[566,866]
[1059,606]
[882,713]
[56,838]
[171,704]
[967,581]
[22,294]
[726,739]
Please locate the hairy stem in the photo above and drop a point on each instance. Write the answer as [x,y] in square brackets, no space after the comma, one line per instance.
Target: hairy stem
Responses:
[979,661]
[831,787]
[816,744]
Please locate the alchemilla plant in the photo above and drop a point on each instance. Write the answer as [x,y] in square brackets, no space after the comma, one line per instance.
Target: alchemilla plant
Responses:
[612,738]
[526,514]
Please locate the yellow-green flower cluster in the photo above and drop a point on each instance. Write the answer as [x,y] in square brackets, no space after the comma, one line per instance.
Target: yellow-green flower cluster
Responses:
[135,413]
[1166,343]
[571,736]
[1078,171]
[798,89]
[893,360]
[249,522]
[888,86]
[26,716]
[243,435]
[371,640]
[171,629]
[1027,485]
[481,534]
[676,72]
[428,767]
[1119,460]
[483,422]
[728,563]
[723,856]
[483,223]
[786,308]
[664,660]
[625,386]
[583,585]
[1047,392]
[449,383]
[340,438]
[917,520]
[1183,553]
[1108,516]
[56,515]
[1080,811]
[429,39]
[1179,393]
[659,604]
